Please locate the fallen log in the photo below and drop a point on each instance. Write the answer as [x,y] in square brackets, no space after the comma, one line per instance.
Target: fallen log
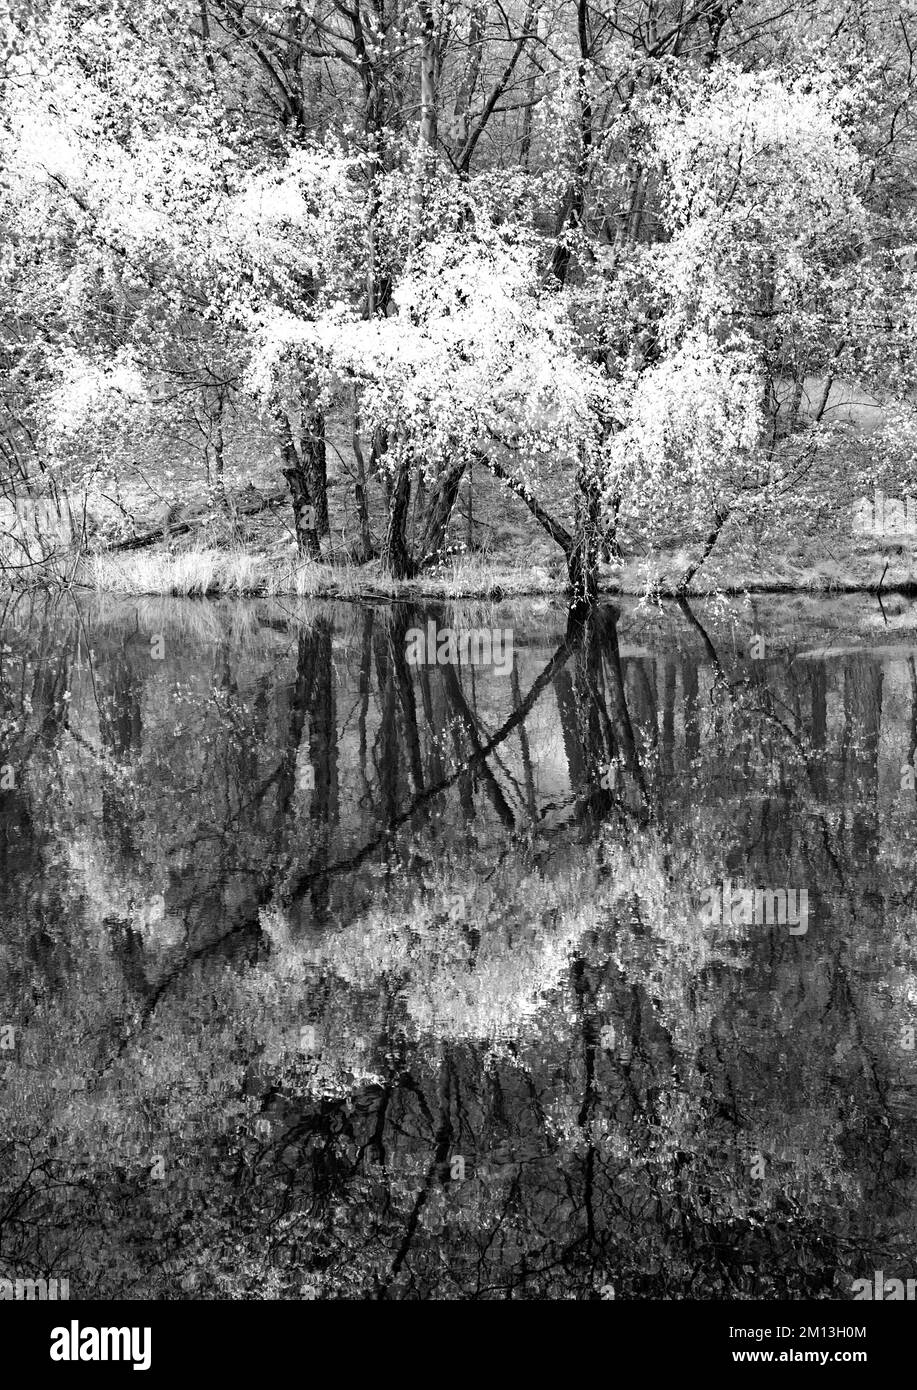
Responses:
[181,527]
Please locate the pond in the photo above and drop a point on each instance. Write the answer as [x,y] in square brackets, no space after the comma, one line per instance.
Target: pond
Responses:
[335,965]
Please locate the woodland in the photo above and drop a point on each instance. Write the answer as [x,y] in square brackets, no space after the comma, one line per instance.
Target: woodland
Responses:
[330,273]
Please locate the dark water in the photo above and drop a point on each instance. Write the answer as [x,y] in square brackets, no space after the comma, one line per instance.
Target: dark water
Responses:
[323,974]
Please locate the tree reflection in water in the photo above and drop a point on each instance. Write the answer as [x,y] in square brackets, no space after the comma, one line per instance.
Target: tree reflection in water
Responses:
[326,975]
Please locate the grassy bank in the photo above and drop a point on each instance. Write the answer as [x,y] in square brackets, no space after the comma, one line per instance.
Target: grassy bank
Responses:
[838,564]
[211,572]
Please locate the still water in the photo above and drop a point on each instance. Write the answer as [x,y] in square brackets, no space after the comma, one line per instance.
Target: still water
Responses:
[328,974]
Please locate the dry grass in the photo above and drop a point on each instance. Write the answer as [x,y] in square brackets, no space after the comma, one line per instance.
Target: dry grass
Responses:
[191,573]
[238,573]
[813,559]
[235,574]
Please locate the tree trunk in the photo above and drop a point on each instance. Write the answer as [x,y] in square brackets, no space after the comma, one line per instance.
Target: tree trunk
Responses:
[241,507]
[719,519]
[442,503]
[365,551]
[574,205]
[583,558]
[304,518]
[461,120]
[395,557]
[427,132]
[312,448]
[428,64]
[582,570]
[303,512]
[525,148]
[219,453]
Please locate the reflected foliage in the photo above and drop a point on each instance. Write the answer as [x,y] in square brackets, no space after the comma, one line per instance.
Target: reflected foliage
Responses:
[323,975]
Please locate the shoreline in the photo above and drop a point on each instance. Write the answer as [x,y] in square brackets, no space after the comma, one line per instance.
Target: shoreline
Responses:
[220,573]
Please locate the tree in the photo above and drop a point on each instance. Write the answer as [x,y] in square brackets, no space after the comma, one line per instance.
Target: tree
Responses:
[244,211]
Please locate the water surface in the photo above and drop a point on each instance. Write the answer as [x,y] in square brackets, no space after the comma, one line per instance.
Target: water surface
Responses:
[323,974]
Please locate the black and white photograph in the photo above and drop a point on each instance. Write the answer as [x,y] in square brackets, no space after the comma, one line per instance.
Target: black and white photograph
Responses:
[458,672]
